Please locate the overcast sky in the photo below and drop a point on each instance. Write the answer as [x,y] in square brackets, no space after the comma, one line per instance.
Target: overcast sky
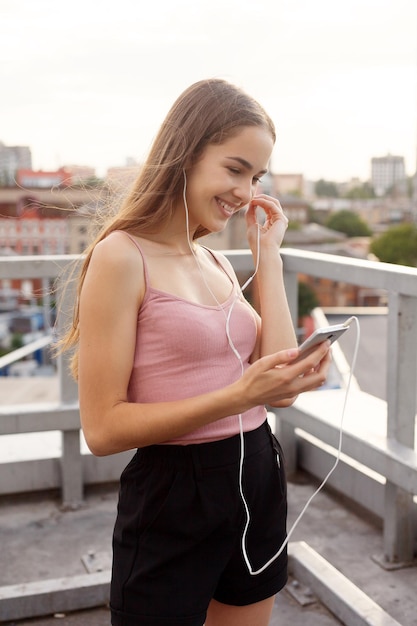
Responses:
[89,82]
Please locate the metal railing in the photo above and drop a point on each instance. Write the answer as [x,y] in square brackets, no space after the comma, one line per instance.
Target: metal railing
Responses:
[373,463]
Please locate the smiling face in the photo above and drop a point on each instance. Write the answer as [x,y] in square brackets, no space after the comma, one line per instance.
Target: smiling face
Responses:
[226,176]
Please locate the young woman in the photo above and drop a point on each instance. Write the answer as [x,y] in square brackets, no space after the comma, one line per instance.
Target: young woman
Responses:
[173,361]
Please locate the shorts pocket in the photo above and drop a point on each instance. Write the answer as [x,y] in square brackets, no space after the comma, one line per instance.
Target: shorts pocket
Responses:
[157,490]
[280,460]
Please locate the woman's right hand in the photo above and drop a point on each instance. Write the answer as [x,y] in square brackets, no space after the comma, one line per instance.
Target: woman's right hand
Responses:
[276,380]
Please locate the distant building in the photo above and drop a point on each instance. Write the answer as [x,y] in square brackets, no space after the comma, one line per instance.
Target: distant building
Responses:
[387,172]
[315,237]
[34,235]
[13,158]
[30,179]
[288,184]
[43,221]
[48,221]
[296,209]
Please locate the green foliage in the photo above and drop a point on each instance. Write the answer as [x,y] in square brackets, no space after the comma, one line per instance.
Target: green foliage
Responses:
[295,193]
[93,181]
[307,299]
[16,341]
[89,183]
[362,192]
[397,245]
[410,186]
[324,188]
[349,223]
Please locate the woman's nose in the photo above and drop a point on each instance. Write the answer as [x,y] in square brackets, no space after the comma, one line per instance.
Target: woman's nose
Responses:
[245,192]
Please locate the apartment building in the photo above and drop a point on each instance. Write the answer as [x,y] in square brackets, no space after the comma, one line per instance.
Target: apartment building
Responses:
[386,172]
[42,222]
[13,158]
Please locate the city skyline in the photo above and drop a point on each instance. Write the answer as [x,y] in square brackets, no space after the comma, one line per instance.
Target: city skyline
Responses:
[90,85]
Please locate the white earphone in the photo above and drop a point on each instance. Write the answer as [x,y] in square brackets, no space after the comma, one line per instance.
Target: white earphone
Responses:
[242,439]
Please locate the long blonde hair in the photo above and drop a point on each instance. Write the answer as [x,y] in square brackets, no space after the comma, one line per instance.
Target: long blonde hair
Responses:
[208,112]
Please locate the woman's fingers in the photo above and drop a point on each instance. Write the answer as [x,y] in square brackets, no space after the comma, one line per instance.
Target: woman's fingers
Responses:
[275,378]
[273,225]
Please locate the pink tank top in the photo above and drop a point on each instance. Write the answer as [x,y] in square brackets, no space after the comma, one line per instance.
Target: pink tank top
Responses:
[182,351]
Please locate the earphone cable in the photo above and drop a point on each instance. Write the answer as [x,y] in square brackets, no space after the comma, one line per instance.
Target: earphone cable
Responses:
[251,571]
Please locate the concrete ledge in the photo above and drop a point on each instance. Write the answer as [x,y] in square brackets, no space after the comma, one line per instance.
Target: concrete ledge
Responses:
[54,596]
[346,601]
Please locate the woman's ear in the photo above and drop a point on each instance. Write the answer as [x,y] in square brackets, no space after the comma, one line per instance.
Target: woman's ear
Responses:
[187,165]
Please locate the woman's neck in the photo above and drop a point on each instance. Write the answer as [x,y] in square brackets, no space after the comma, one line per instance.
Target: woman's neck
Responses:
[169,244]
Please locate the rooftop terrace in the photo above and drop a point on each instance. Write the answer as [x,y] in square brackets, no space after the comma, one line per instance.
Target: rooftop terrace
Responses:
[360,532]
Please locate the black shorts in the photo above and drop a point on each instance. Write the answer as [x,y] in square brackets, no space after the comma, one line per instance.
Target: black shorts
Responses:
[177,537]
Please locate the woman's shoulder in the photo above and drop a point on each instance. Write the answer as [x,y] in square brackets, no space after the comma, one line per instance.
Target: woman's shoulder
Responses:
[117,267]
[118,246]
[118,258]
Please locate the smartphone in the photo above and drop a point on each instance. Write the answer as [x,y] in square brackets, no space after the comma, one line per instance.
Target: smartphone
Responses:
[331,333]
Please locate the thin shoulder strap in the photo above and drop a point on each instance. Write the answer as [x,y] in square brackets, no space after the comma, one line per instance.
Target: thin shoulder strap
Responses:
[145,267]
[225,267]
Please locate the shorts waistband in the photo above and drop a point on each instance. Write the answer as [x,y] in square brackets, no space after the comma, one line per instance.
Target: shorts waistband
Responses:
[212,454]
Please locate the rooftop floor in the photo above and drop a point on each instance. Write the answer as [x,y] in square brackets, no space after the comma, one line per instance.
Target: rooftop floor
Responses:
[40,541]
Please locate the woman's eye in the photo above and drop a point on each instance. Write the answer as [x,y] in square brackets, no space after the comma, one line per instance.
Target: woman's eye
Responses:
[236,171]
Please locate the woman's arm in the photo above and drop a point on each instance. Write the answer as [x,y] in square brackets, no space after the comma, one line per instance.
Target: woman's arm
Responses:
[277,330]
[275,326]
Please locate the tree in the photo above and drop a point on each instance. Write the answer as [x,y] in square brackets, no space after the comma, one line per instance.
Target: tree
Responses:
[293,225]
[397,245]
[349,223]
[307,299]
[16,341]
[324,188]
[362,192]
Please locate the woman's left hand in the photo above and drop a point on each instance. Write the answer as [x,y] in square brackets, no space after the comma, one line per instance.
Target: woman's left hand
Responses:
[272,229]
